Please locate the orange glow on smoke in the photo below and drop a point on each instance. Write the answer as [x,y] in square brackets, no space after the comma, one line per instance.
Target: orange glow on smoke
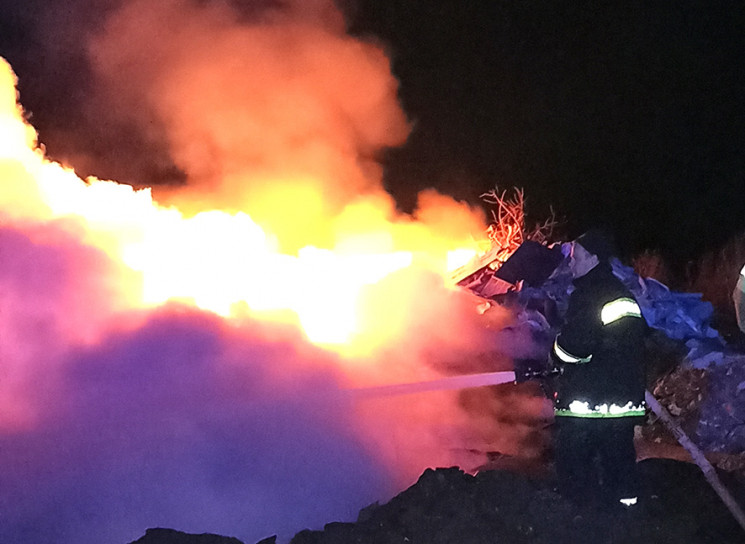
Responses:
[280,226]
[226,263]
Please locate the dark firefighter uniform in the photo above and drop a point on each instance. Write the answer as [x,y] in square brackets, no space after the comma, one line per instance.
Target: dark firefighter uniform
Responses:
[600,394]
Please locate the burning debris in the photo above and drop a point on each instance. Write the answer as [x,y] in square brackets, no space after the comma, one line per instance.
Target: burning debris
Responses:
[166,350]
[507,233]
[159,365]
[508,228]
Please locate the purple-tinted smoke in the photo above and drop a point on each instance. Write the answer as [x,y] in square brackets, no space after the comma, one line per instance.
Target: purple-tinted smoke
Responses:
[181,420]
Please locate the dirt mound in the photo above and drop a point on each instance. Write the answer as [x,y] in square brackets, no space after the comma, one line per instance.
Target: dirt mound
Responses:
[448,505]
[169,536]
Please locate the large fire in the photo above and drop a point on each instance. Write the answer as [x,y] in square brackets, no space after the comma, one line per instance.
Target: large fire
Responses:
[187,344]
[224,262]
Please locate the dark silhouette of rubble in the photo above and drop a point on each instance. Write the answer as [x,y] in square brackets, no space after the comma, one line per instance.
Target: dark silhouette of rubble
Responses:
[450,506]
[170,536]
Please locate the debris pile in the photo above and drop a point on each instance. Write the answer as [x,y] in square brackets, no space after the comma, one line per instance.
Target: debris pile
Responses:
[447,505]
[705,390]
[721,424]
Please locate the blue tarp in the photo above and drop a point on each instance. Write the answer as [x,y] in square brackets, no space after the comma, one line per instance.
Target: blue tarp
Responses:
[683,317]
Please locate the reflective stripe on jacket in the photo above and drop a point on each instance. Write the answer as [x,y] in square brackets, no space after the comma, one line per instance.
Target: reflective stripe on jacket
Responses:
[611,312]
[601,350]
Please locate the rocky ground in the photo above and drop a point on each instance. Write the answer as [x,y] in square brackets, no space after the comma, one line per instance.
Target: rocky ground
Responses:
[494,506]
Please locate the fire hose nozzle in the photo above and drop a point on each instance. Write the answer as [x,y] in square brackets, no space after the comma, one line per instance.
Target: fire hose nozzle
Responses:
[531,369]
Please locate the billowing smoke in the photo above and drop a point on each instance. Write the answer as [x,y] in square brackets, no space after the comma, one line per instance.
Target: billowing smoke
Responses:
[180,421]
[114,422]
[278,113]
[120,412]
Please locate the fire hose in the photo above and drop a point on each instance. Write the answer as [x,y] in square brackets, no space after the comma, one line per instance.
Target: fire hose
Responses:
[443,384]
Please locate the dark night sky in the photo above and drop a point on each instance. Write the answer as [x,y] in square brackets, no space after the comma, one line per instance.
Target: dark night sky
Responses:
[624,114]
[630,115]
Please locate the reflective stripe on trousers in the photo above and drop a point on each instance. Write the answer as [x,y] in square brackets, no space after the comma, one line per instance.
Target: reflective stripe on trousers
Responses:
[582,409]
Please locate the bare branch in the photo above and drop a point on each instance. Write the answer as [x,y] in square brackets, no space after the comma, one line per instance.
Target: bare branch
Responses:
[508,227]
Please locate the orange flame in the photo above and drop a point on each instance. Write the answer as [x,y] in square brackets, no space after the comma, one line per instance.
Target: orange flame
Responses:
[276,122]
[225,262]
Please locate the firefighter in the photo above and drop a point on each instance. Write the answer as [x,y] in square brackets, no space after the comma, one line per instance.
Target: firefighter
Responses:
[738,296]
[599,396]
